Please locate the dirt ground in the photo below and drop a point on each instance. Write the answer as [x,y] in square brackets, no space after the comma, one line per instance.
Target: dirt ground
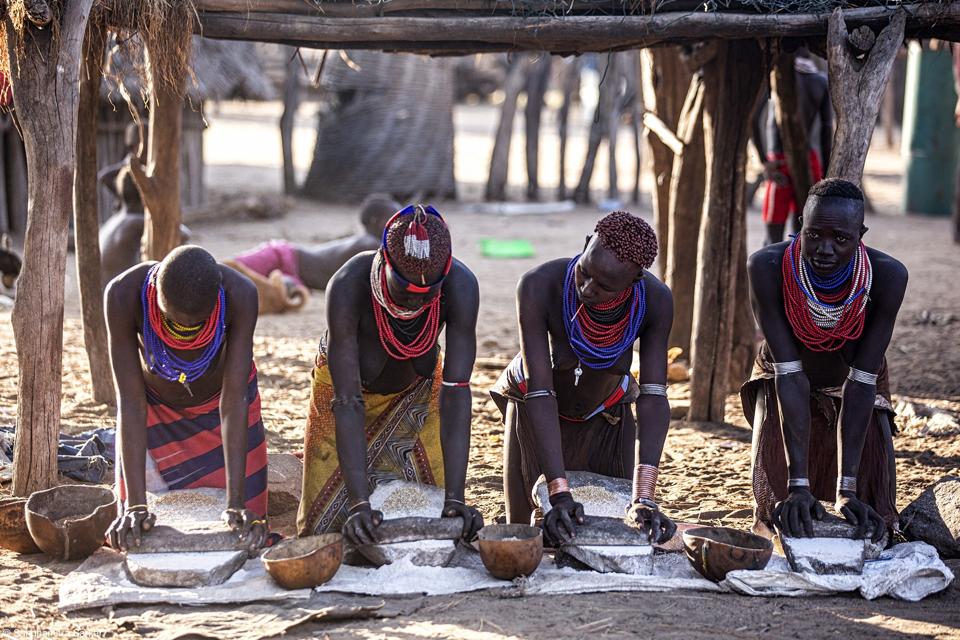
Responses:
[705,467]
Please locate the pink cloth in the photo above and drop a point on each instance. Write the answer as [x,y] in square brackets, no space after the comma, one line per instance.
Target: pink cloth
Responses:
[270,256]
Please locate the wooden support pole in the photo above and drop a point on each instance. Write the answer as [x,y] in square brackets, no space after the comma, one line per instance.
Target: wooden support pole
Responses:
[666,135]
[496,188]
[685,208]
[664,81]
[563,34]
[86,216]
[159,181]
[291,101]
[46,81]
[793,129]
[856,90]
[732,83]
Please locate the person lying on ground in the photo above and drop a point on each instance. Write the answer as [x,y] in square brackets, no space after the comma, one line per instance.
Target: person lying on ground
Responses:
[121,234]
[303,268]
[384,404]
[819,397]
[566,398]
[813,100]
[188,413]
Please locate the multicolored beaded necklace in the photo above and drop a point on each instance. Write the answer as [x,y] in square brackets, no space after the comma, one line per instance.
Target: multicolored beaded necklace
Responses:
[599,335]
[160,334]
[825,312]
[397,327]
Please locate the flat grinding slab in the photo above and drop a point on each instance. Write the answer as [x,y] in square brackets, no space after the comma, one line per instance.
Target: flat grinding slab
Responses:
[184,569]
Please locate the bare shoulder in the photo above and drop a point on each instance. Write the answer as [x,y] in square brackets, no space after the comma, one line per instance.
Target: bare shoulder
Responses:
[537,282]
[123,292]
[658,293]
[240,291]
[461,279]
[888,272]
[768,260]
[352,277]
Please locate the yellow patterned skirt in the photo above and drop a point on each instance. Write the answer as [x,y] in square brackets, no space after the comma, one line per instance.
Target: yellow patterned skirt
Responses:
[403,443]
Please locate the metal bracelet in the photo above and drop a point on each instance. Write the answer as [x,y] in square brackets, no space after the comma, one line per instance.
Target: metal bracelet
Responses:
[786,368]
[862,376]
[455,384]
[351,401]
[136,507]
[645,481]
[454,500]
[542,393]
[358,504]
[653,390]
[648,503]
[558,485]
[798,482]
[846,483]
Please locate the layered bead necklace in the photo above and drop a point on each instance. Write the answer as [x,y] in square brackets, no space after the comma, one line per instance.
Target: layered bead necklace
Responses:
[825,312]
[599,335]
[397,326]
[160,335]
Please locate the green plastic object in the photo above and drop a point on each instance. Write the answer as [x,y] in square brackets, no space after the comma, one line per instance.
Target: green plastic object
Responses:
[930,135]
[513,248]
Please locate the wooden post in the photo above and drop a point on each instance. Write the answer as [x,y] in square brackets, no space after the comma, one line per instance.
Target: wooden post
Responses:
[793,130]
[86,216]
[500,156]
[664,80]
[732,83]
[570,78]
[856,90]
[291,101]
[159,181]
[537,80]
[685,207]
[46,95]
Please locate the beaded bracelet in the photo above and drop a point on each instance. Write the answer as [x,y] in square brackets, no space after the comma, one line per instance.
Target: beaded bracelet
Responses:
[455,384]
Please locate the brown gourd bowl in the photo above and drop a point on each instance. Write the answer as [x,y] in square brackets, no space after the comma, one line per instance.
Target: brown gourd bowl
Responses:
[70,522]
[509,551]
[14,534]
[303,563]
[715,551]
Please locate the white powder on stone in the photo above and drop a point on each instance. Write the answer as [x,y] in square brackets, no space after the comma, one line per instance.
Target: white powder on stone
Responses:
[193,561]
[828,550]
[619,550]
[401,499]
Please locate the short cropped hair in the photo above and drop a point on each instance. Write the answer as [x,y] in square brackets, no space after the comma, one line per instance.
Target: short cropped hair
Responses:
[375,212]
[836,188]
[189,279]
[129,193]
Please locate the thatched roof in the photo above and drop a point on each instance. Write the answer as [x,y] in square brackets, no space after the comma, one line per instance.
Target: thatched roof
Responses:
[219,70]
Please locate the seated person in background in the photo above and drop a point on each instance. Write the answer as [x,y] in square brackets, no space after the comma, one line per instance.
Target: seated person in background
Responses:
[566,398]
[384,404]
[121,234]
[301,268]
[10,263]
[819,399]
[188,415]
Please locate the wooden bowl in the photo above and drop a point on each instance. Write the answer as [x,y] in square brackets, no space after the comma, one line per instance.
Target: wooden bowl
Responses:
[303,563]
[715,551]
[14,534]
[509,551]
[70,522]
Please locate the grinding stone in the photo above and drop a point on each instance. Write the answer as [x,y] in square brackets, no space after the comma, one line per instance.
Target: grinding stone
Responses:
[202,569]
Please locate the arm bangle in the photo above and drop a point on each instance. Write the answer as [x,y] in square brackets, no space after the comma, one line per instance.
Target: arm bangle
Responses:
[645,482]
[798,482]
[558,485]
[455,384]
[653,390]
[862,376]
[846,483]
[786,368]
[542,393]
[136,507]
[358,504]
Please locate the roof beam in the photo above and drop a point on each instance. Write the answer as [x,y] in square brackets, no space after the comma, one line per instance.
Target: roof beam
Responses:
[567,34]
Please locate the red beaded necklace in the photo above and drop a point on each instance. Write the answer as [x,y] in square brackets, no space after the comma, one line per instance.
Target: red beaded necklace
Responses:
[383,312]
[175,335]
[598,333]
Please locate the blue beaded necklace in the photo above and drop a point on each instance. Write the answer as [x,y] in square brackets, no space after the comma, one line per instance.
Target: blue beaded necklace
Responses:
[594,356]
[163,362]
